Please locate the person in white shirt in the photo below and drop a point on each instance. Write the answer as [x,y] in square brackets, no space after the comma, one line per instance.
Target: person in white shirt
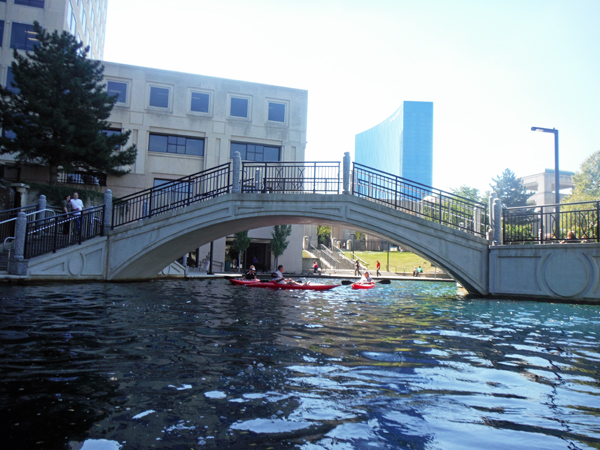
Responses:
[277,277]
[76,208]
[366,278]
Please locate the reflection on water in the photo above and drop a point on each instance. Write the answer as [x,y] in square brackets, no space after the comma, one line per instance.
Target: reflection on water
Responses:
[202,364]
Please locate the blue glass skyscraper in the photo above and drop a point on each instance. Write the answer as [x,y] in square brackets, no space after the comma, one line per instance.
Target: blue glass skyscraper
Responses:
[402,144]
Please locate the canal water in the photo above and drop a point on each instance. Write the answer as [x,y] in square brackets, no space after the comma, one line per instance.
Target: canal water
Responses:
[201,364]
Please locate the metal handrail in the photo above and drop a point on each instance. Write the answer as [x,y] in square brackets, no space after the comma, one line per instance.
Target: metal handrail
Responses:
[539,224]
[304,177]
[31,214]
[50,234]
[175,194]
[416,198]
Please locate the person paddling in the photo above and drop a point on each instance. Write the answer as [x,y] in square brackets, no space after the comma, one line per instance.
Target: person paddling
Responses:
[366,278]
[251,274]
[277,277]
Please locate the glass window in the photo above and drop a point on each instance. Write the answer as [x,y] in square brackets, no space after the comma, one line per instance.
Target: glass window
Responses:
[22,36]
[159,97]
[176,144]
[276,112]
[36,3]
[1,31]
[117,89]
[9,79]
[255,152]
[71,21]
[239,107]
[200,102]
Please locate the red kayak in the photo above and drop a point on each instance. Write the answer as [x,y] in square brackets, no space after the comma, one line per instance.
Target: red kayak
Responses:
[302,287]
[242,282]
[363,286]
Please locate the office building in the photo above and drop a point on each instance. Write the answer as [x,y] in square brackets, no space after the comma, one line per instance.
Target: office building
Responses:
[402,144]
[542,185]
[181,123]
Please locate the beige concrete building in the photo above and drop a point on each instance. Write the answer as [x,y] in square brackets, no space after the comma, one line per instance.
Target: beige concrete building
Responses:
[542,186]
[181,123]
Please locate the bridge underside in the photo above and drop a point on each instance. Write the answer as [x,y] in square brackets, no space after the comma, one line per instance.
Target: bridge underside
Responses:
[140,250]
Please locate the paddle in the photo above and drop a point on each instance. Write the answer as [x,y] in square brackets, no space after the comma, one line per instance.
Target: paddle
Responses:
[348,282]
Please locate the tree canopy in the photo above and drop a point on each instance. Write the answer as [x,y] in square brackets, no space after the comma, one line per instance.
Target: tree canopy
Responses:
[510,189]
[241,242]
[279,240]
[55,112]
[586,181]
[468,192]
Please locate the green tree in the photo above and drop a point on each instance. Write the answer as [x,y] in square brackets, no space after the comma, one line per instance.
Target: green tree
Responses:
[586,181]
[57,110]
[467,192]
[279,240]
[324,235]
[510,189]
[241,242]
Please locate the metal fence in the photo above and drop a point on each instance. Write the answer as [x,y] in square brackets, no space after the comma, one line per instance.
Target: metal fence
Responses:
[172,195]
[84,178]
[291,177]
[50,234]
[551,223]
[416,198]
[8,220]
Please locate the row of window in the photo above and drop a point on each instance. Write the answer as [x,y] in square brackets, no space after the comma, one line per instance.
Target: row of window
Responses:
[34,3]
[167,143]
[240,106]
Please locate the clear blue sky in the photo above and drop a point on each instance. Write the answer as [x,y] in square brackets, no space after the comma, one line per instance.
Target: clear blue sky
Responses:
[493,69]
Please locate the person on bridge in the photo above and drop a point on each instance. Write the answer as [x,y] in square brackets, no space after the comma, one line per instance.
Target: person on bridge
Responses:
[378,266]
[316,269]
[77,207]
[251,274]
[277,277]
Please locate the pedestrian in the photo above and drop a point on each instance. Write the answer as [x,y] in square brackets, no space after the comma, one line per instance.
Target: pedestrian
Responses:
[357,268]
[315,267]
[378,266]
[76,208]
[66,207]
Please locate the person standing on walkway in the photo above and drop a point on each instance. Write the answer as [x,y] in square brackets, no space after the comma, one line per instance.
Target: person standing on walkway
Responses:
[77,207]
[357,268]
[378,266]
[66,207]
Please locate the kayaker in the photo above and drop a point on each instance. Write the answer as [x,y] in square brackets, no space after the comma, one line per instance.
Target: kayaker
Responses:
[277,277]
[366,278]
[251,274]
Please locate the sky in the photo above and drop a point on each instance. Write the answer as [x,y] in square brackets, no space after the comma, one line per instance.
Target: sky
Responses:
[492,68]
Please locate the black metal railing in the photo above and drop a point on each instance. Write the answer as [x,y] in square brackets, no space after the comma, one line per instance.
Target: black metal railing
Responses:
[551,223]
[8,220]
[172,195]
[50,234]
[98,179]
[291,177]
[416,198]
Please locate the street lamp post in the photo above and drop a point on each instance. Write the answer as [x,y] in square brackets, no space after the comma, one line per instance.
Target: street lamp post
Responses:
[554,131]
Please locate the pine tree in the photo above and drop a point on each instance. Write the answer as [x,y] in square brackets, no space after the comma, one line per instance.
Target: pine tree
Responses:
[279,240]
[58,108]
[510,189]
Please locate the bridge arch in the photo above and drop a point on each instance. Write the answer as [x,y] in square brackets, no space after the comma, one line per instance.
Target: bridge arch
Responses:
[140,250]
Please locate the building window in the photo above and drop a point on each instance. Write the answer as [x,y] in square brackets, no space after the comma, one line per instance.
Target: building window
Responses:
[118,89]
[277,112]
[35,3]
[159,97]
[255,152]
[200,102]
[22,36]
[9,79]
[166,143]
[239,107]
[71,20]
[1,31]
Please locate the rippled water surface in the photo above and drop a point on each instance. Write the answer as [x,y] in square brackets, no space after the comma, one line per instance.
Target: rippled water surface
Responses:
[202,364]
